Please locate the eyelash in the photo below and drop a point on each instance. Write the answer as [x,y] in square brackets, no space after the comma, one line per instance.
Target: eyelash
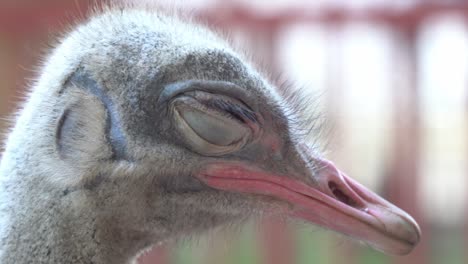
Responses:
[235,111]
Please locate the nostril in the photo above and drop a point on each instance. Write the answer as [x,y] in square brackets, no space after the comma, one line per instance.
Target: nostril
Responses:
[341,196]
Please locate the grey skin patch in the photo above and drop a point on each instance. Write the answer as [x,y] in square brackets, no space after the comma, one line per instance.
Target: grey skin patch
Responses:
[113,129]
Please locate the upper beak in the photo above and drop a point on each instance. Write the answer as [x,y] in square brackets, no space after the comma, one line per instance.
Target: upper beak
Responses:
[334,200]
[352,209]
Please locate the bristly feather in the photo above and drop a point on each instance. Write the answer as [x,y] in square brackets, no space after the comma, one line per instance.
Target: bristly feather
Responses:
[307,121]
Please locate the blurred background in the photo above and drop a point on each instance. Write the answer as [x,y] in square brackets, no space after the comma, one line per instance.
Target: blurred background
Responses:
[391,77]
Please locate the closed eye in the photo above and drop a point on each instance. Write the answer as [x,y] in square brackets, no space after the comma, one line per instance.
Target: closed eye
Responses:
[213,124]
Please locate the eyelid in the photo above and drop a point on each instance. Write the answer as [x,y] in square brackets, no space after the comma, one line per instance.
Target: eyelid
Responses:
[229,89]
[224,105]
[198,137]
[206,99]
[240,112]
[241,130]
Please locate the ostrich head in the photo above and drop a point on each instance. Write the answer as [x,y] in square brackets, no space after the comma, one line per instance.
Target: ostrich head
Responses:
[142,128]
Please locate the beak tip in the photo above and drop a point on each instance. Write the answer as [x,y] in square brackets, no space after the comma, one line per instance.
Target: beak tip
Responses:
[399,226]
[410,229]
[410,235]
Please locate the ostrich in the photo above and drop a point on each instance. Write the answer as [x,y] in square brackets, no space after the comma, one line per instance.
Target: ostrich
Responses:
[144,128]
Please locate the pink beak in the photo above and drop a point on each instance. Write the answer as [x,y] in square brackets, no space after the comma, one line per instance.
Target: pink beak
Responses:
[333,200]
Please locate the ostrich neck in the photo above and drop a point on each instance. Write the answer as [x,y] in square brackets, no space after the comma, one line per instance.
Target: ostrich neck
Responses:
[46,225]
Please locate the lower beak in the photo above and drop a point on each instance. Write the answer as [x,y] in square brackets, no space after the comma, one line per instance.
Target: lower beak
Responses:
[334,201]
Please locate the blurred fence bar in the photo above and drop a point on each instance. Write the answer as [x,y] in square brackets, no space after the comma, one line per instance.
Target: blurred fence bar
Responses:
[402,181]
